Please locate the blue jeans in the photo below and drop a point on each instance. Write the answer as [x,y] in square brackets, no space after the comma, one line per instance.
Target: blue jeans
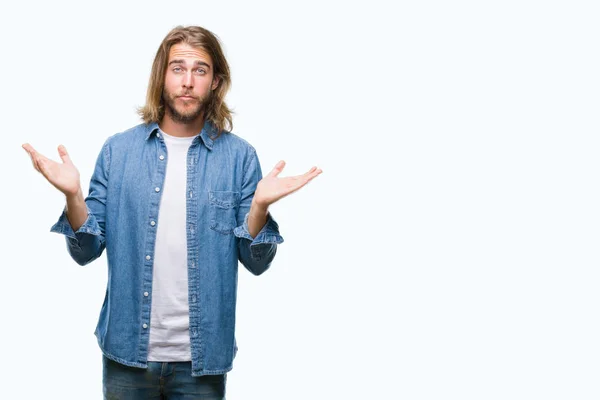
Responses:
[161,381]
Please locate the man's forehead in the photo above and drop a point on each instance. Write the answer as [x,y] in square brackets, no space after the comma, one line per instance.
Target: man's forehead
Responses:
[181,51]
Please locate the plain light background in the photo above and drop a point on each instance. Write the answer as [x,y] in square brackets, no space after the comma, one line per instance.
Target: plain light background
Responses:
[449,250]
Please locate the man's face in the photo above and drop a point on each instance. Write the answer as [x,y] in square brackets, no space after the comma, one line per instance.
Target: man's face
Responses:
[188,82]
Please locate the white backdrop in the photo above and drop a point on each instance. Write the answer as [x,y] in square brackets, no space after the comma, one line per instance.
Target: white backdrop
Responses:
[449,250]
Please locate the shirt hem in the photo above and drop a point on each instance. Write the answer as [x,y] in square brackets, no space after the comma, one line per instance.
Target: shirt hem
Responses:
[212,371]
[145,366]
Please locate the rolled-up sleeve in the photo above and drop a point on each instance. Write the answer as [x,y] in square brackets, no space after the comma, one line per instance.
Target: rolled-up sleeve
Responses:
[256,254]
[88,242]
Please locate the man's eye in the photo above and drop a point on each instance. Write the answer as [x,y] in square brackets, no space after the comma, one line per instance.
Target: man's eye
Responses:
[201,71]
[177,69]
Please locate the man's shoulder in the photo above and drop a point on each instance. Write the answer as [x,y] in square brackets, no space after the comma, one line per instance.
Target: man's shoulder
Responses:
[125,138]
[231,140]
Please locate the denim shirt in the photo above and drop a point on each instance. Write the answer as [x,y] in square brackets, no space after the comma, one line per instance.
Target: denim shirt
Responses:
[123,206]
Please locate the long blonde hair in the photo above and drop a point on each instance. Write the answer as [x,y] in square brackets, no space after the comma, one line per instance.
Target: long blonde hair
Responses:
[216,110]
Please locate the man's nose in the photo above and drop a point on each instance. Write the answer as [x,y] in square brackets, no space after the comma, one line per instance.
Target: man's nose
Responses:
[188,80]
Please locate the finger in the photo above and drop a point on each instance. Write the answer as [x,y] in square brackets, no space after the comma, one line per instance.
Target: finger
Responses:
[41,164]
[39,161]
[277,170]
[31,152]
[35,166]
[34,161]
[312,176]
[317,173]
[307,176]
[312,170]
[29,149]
[62,151]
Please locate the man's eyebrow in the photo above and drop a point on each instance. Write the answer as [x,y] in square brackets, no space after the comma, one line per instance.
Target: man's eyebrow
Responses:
[201,63]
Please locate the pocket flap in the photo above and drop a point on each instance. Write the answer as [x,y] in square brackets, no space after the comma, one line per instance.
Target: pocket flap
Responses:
[224,198]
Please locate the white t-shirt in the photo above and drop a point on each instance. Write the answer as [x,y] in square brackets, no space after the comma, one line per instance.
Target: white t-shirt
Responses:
[169,323]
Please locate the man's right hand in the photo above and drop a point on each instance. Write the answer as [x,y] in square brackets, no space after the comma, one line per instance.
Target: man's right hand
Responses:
[63,176]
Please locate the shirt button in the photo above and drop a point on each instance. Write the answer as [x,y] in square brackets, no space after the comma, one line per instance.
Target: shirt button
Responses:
[152,223]
[157,189]
[145,294]
[157,134]
[162,157]
[145,326]
[147,257]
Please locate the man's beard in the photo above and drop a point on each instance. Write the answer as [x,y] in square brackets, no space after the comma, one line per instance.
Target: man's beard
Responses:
[192,114]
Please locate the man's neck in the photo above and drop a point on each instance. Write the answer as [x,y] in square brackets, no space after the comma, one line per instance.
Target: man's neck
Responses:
[180,129]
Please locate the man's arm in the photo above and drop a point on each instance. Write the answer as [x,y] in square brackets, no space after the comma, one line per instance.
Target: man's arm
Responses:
[76,210]
[256,219]
[83,220]
[257,194]
[257,231]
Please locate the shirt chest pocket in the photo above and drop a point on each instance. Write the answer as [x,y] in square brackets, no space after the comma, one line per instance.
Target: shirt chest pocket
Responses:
[223,206]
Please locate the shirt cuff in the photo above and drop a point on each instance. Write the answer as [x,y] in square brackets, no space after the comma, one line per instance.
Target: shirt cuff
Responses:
[63,226]
[269,234]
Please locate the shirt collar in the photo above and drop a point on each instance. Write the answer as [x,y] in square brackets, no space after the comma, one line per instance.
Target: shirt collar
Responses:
[205,134]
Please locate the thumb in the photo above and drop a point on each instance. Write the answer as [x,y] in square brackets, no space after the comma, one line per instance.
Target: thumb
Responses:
[278,168]
[62,151]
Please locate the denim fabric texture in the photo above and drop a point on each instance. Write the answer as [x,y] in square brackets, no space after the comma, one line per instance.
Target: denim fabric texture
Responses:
[161,380]
[123,205]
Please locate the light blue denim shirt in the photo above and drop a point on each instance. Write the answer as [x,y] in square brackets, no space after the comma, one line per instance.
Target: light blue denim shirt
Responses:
[123,206]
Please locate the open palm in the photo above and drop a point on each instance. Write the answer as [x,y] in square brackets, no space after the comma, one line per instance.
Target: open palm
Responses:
[271,188]
[64,176]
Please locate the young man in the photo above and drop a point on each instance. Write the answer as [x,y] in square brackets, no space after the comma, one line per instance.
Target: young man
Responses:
[176,202]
